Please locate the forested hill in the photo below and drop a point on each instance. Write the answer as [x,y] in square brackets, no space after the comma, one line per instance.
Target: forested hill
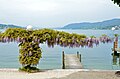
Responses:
[2,26]
[108,24]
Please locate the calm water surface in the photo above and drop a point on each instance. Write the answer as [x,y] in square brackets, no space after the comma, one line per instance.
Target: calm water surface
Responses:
[98,57]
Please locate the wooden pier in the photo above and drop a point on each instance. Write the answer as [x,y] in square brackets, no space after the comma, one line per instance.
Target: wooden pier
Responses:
[71,61]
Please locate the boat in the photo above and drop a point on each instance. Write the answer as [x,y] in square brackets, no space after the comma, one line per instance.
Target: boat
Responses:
[115,28]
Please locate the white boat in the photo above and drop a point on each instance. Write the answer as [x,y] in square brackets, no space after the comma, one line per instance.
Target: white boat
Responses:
[115,28]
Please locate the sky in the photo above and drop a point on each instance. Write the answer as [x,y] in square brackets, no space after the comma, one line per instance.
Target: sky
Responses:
[56,13]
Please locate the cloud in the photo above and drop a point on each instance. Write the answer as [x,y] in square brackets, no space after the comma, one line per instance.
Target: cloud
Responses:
[46,13]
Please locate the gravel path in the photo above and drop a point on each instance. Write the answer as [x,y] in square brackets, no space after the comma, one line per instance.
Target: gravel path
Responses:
[58,74]
[91,75]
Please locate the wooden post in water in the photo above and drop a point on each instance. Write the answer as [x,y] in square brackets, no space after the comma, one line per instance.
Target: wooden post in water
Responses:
[79,56]
[63,60]
[115,44]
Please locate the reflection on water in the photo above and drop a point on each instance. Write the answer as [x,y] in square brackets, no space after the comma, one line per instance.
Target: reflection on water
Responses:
[116,59]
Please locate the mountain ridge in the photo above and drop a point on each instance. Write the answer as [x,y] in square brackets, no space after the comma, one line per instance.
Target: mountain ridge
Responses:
[107,24]
[2,26]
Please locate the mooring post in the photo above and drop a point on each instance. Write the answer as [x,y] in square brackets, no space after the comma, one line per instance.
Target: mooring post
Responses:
[79,56]
[114,47]
[63,60]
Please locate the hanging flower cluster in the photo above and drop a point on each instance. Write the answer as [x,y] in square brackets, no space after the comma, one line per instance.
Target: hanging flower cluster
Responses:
[105,39]
[52,38]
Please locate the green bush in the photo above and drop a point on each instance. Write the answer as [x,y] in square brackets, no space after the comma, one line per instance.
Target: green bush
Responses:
[29,69]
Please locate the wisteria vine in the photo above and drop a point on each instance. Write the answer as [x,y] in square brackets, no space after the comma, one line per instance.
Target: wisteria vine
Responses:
[29,40]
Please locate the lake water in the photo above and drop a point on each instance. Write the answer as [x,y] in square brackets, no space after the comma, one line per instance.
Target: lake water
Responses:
[98,57]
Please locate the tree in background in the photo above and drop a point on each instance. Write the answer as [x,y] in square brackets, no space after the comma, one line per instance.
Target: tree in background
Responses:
[117,2]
